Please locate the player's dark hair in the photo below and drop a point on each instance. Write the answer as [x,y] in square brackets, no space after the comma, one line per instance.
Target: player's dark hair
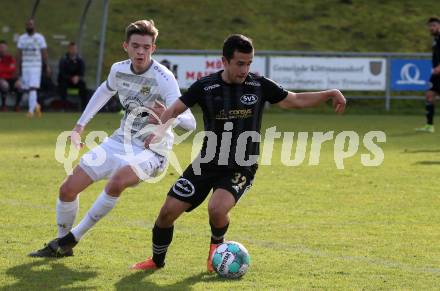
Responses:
[142,27]
[433,19]
[3,41]
[237,42]
[72,43]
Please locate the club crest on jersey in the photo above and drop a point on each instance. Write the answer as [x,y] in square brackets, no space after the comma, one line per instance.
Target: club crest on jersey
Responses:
[249,99]
[145,90]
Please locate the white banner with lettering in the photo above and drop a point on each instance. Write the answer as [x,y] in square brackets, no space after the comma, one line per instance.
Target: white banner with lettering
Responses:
[189,69]
[319,73]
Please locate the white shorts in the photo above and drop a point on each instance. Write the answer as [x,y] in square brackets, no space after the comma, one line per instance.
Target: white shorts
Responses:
[31,78]
[106,159]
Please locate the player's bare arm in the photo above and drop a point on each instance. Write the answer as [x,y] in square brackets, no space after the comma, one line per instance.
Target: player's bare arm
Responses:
[45,57]
[75,136]
[312,99]
[158,109]
[166,118]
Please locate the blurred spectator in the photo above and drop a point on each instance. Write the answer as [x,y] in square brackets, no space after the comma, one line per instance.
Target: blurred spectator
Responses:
[32,54]
[8,76]
[71,74]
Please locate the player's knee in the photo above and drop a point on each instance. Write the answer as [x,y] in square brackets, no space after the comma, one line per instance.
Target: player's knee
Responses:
[4,86]
[67,192]
[116,185]
[216,212]
[167,216]
[430,97]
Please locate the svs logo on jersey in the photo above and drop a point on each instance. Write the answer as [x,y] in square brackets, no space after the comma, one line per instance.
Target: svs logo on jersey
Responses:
[249,99]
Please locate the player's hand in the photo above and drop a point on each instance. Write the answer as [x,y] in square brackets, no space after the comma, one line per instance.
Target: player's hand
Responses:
[158,108]
[75,136]
[48,71]
[338,100]
[149,140]
[152,139]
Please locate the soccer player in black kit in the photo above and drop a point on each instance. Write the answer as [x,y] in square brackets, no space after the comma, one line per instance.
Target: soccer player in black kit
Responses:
[434,29]
[232,101]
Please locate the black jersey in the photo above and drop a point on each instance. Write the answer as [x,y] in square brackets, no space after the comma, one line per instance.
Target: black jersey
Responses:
[436,51]
[233,112]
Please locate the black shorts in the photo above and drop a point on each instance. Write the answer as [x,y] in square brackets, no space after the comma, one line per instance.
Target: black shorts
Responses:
[435,83]
[11,83]
[194,189]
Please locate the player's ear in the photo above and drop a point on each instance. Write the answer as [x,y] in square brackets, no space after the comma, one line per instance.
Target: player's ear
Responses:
[224,61]
[125,45]
[153,48]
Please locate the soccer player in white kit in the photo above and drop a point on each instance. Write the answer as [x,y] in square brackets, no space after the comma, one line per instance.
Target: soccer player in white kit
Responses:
[32,54]
[141,83]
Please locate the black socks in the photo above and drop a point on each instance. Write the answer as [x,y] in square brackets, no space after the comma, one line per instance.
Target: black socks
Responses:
[218,234]
[162,238]
[429,113]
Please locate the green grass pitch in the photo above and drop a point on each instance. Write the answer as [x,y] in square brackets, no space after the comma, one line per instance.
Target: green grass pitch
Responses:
[306,227]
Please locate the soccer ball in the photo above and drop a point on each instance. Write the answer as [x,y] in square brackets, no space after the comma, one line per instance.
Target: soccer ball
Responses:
[230,260]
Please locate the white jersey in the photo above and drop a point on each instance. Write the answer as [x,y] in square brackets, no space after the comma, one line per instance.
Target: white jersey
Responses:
[137,92]
[140,91]
[31,46]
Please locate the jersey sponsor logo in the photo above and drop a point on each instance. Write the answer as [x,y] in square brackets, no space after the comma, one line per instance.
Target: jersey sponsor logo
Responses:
[183,187]
[233,114]
[211,87]
[221,115]
[253,83]
[249,99]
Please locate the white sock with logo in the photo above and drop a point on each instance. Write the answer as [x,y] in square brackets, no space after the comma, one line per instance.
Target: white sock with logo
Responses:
[66,214]
[103,204]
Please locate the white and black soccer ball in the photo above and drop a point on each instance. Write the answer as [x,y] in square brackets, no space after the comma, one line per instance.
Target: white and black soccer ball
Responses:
[231,260]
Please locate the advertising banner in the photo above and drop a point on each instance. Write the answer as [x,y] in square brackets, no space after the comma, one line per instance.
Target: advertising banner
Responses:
[189,69]
[412,75]
[320,73]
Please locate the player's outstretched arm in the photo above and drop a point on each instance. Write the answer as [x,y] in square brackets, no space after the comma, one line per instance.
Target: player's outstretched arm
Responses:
[101,96]
[185,120]
[312,99]
[167,119]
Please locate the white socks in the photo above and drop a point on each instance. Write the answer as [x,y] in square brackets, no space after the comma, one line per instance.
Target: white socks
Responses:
[66,214]
[99,209]
[32,100]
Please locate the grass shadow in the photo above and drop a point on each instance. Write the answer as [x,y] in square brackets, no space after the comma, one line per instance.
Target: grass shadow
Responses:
[404,134]
[420,151]
[45,274]
[428,163]
[135,282]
